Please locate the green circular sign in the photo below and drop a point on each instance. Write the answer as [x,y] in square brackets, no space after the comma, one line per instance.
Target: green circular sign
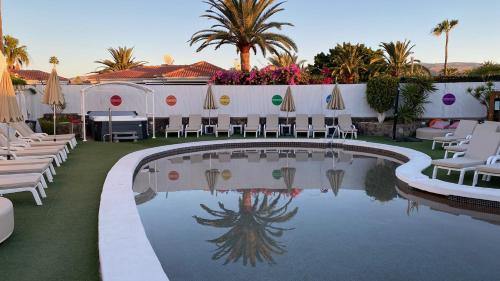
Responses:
[277,174]
[277,100]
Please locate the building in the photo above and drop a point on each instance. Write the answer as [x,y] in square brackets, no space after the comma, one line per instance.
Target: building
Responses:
[34,77]
[192,74]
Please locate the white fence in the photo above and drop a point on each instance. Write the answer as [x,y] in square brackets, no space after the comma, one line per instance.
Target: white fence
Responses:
[240,101]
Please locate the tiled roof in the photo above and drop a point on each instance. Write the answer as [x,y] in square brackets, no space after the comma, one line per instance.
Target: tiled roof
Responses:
[34,75]
[199,69]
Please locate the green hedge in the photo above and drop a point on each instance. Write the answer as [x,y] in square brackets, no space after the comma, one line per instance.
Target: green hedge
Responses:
[381,92]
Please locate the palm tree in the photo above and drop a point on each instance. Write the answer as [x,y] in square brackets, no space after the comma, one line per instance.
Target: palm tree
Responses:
[445,27]
[16,56]
[121,59]
[244,24]
[54,60]
[398,58]
[286,59]
[252,233]
[1,27]
[349,62]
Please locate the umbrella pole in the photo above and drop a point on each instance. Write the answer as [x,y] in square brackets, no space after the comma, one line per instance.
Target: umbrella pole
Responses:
[8,141]
[54,118]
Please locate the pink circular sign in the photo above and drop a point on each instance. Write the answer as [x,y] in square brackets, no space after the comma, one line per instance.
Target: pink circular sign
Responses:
[115,100]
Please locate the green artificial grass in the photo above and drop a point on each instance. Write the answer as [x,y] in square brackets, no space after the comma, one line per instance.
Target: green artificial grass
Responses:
[58,241]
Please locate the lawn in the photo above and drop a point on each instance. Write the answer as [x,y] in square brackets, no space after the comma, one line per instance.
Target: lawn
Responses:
[58,241]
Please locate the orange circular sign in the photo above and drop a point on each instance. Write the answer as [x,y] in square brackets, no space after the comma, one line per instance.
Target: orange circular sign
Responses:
[225,100]
[173,175]
[226,175]
[115,100]
[171,100]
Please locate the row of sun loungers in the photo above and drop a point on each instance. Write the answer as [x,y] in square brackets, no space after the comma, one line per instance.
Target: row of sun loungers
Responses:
[33,158]
[272,126]
[475,147]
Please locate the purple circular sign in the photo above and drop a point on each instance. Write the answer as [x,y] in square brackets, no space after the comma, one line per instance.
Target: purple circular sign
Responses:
[449,99]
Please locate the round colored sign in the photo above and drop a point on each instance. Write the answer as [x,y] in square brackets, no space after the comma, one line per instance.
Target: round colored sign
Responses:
[328,98]
[115,100]
[449,99]
[277,100]
[226,175]
[173,175]
[171,100]
[277,174]
[225,100]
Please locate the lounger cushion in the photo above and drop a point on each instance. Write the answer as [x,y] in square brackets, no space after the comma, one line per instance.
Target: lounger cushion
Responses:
[24,162]
[173,129]
[48,143]
[430,133]
[18,181]
[23,169]
[447,139]
[489,169]
[457,163]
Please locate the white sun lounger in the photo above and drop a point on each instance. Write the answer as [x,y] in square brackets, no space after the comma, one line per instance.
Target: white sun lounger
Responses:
[33,154]
[272,125]
[194,125]
[174,126]
[252,125]
[5,162]
[463,145]
[24,131]
[223,125]
[345,126]
[42,169]
[483,147]
[318,125]
[464,131]
[301,125]
[22,183]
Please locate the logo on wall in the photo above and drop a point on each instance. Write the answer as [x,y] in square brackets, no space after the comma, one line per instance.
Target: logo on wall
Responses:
[328,98]
[277,100]
[276,174]
[115,100]
[225,100]
[226,175]
[173,175]
[171,100]
[449,99]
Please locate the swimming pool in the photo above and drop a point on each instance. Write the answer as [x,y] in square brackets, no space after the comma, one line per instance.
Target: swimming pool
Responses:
[306,214]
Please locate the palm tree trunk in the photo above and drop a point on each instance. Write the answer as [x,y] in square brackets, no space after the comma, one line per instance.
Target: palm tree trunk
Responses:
[445,69]
[247,200]
[245,58]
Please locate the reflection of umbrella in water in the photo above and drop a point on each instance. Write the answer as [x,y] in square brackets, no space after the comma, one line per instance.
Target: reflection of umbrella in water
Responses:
[335,178]
[211,176]
[288,175]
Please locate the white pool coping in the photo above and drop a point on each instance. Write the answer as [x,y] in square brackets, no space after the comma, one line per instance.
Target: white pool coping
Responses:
[124,250]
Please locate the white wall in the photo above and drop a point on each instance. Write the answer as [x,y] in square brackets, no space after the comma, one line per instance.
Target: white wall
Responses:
[246,100]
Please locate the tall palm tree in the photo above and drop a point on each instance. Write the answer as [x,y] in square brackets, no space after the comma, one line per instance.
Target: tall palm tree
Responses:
[244,24]
[1,27]
[252,232]
[54,60]
[286,59]
[445,27]
[122,58]
[16,56]
[398,57]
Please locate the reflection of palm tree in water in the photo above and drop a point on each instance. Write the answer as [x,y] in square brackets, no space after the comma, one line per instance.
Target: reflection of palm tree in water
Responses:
[252,233]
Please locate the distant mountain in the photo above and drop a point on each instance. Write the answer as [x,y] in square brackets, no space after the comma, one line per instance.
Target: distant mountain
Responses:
[435,68]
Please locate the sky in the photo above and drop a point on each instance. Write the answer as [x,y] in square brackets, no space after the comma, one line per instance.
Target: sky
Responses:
[79,32]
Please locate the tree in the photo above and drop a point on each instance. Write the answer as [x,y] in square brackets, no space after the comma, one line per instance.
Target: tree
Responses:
[244,24]
[1,28]
[251,231]
[54,60]
[399,61]
[285,59]
[15,55]
[445,27]
[122,58]
[488,68]
[357,59]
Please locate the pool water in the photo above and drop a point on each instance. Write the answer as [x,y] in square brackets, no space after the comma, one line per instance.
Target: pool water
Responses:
[305,215]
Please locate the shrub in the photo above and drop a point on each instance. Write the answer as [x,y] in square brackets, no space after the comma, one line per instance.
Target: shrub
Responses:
[414,96]
[482,93]
[381,92]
